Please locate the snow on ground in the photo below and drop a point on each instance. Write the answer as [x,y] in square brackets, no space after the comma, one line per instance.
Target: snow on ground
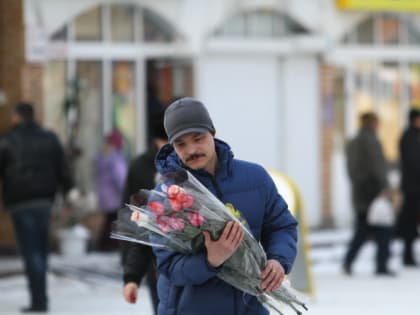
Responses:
[91,284]
[73,296]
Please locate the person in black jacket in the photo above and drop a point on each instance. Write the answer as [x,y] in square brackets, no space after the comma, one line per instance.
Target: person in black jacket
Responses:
[33,168]
[367,170]
[137,259]
[408,219]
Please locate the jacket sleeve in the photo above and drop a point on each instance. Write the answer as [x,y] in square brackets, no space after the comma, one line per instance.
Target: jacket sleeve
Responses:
[279,232]
[63,169]
[184,269]
[2,156]
[136,261]
[375,162]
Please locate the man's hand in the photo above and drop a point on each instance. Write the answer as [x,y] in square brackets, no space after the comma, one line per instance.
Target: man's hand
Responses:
[272,276]
[219,251]
[130,292]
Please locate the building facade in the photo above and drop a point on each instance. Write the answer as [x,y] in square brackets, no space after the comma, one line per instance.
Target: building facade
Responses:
[283,80]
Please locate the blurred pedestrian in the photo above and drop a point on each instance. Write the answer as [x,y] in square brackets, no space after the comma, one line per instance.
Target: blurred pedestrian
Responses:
[138,260]
[368,175]
[409,216]
[33,168]
[111,171]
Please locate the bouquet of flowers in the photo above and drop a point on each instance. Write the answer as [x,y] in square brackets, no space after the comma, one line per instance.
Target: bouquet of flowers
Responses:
[174,215]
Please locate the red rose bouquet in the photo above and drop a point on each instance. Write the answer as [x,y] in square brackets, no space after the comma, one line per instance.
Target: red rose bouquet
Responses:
[175,214]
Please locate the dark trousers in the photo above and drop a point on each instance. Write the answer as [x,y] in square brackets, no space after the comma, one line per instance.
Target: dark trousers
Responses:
[362,232]
[408,221]
[106,243]
[31,223]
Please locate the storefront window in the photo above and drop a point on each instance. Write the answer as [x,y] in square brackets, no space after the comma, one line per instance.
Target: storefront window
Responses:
[119,109]
[389,28]
[415,85]
[61,34]
[413,31]
[124,102]
[365,89]
[122,23]
[261,23]
[155,28]
[170,78]
[234,27]
[339,100]
[55,91]
[365,32]
[89,136]
[378,89]
[87,26]
[91,92]
[389,108]
[386,29]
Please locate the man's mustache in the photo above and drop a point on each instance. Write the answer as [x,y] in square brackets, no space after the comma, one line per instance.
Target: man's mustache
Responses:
[195,156]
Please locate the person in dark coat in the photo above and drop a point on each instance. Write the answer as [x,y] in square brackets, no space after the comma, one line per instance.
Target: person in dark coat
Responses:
[33,168]
[138,260]
[408,219]
[367,170]
[188,283]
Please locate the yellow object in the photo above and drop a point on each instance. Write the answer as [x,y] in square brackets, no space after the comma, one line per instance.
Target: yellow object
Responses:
[301,275]
[236,213]
[379,5]
[233,211]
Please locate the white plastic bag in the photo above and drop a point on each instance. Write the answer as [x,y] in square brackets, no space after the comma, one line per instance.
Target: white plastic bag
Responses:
[381,212]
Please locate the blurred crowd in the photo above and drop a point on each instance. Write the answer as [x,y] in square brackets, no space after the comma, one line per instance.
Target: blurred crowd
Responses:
[374,201]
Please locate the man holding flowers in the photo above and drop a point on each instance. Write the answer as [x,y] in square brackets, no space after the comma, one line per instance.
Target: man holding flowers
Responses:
[188,284]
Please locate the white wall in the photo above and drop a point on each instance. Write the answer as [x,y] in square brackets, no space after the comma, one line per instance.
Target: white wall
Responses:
[242,96]
[301,130]
[266,108]
[342,210]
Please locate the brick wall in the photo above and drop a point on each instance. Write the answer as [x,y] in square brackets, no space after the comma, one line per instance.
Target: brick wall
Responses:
[11,65]
[11,55]
[326,79]
[32,88]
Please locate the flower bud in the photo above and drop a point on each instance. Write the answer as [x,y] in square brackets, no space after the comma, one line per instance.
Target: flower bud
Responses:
[175,205]
[157,207]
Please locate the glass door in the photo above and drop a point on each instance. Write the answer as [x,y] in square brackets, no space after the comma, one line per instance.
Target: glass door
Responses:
[123,107]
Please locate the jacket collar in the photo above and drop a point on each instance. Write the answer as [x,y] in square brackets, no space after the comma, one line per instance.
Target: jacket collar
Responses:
[168,161]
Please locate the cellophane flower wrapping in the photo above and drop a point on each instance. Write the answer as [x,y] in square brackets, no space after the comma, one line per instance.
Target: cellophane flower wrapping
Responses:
[175,214]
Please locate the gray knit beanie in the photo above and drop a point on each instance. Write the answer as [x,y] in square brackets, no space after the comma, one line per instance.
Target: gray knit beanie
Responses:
[186,115]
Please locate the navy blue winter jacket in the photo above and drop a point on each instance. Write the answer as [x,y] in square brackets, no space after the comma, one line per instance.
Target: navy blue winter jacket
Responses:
[187,284]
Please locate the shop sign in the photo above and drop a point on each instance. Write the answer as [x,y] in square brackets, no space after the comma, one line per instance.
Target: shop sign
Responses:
[379,5]
[35,44]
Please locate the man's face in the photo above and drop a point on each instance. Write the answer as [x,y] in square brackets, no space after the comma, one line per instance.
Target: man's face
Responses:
[197,151]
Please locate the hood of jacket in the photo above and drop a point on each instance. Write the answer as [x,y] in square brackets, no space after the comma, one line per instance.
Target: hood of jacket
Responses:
[168,161]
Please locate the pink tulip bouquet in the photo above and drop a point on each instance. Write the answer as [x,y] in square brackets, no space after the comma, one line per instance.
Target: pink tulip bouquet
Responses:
[175,214]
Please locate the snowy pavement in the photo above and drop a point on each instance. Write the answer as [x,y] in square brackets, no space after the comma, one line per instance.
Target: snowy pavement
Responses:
[91,284]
